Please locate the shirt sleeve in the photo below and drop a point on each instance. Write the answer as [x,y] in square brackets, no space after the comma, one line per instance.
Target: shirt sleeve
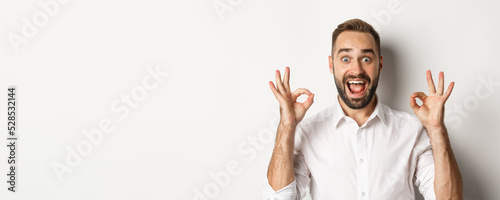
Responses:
[424,172]
[296,190]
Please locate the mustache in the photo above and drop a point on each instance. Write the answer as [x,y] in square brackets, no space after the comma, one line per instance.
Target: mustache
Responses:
[360,76]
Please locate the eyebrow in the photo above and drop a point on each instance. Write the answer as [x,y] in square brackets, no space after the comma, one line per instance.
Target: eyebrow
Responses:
[368,51]
[362,50]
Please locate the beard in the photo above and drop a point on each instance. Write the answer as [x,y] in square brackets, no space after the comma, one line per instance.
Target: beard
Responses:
[357,103]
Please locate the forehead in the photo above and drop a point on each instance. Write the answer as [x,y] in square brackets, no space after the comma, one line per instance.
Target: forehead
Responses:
[355,40]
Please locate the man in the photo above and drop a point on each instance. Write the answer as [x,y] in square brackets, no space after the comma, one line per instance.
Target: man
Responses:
[360,148]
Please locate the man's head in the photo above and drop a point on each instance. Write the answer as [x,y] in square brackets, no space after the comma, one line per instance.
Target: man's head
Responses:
[356,62]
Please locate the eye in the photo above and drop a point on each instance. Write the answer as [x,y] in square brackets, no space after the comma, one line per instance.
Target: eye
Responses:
[345,59]
[366,59]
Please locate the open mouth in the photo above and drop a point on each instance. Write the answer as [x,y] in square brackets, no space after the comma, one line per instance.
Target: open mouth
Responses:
[357,87]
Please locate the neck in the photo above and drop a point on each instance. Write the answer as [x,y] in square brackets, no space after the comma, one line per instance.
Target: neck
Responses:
[359,115]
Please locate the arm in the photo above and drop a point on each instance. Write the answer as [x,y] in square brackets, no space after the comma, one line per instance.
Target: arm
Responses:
[447,178]
[280,172]
[281,169]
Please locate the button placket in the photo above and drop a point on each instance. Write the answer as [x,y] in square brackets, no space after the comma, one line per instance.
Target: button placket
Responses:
[362,168]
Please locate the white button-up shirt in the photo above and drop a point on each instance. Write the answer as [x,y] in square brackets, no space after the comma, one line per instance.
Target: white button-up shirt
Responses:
[382,159]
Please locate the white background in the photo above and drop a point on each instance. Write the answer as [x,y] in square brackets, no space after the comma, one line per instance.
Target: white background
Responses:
[215,107]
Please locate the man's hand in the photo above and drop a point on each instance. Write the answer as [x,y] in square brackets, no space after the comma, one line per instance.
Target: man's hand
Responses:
[431,112]
[281,171]
[447,178]
[291,111]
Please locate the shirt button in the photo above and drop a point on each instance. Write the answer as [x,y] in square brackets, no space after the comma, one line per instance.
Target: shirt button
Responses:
[363,193]
[361,160]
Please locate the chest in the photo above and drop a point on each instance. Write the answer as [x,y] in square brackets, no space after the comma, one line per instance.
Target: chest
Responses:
[382,156]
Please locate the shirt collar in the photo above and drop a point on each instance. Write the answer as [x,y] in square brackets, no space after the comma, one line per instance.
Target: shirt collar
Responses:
[338,112]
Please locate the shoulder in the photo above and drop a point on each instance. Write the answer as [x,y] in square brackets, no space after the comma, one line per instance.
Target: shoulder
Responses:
[318,122]
[399,117]
[322,116]
[313,125]
[405,123]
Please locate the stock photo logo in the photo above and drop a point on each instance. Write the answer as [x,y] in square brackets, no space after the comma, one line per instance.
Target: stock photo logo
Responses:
[222,7]
[247,149]
[459,112]
[383,17]
[30,27]
[121,106]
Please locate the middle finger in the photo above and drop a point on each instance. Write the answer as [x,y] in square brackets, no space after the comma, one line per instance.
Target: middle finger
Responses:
[279,83]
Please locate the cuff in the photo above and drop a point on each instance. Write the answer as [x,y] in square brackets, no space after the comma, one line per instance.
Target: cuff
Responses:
[288,192]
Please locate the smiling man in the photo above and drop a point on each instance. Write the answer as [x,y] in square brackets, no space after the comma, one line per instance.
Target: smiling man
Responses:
[359,148]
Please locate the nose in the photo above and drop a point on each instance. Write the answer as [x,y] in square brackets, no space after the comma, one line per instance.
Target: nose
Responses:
[357,67]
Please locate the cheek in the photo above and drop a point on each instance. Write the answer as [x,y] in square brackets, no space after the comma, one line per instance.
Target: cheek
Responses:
[338,69]
[373,70]
[338,74]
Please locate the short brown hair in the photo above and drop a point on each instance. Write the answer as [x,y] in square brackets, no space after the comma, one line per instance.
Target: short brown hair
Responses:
[356,25]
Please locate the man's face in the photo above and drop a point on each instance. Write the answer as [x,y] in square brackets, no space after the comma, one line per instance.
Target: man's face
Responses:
[356,67]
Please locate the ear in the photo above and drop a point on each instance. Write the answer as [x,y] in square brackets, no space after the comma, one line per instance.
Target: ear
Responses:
[330,62]
[381,64]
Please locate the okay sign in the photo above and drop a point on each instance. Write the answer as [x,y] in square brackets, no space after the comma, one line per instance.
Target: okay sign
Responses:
[431,112]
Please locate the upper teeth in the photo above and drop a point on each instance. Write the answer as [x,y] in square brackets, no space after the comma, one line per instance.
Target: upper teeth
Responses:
[356,82]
